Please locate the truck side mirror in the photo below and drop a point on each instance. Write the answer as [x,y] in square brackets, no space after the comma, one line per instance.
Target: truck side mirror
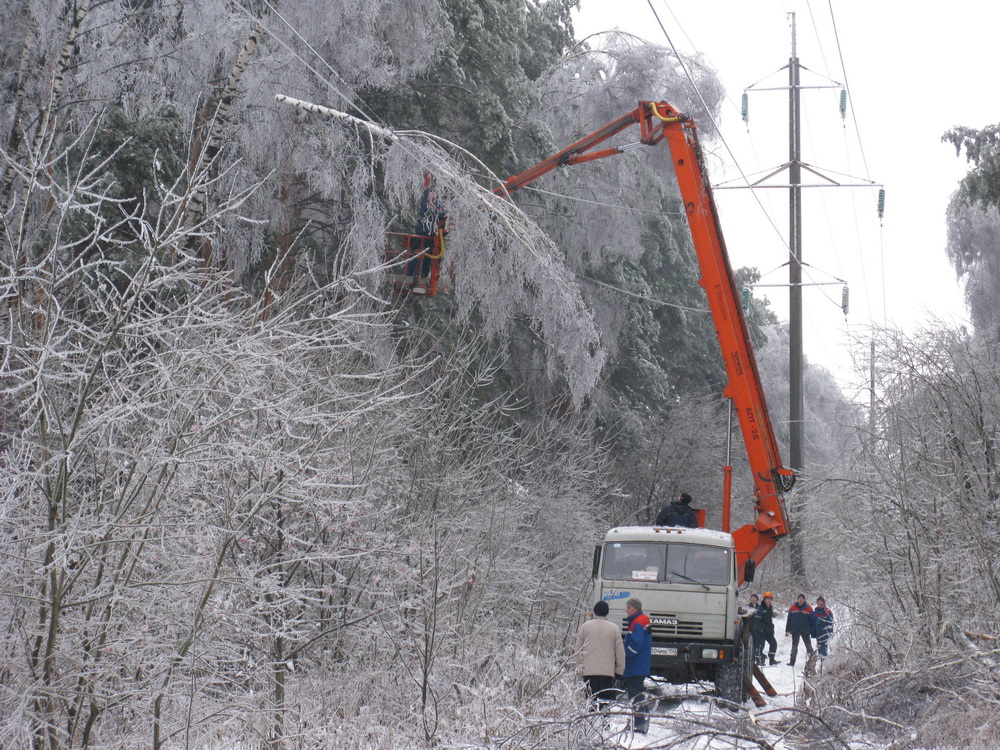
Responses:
[597,561]
[748,571]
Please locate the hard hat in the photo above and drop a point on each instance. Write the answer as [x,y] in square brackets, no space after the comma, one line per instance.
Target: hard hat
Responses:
[767,594]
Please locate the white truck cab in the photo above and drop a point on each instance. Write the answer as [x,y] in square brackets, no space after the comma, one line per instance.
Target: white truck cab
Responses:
[687,582]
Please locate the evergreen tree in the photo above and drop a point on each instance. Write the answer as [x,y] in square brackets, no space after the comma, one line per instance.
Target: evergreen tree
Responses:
[974,250]
[982,151]
[477,91]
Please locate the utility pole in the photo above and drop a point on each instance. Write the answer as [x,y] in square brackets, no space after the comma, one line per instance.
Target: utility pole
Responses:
[795,167]
[796,399]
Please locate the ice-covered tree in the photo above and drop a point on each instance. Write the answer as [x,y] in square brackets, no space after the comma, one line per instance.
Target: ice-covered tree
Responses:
[974,250]
[217,446]
[213,519]
[919,512]
[972,226]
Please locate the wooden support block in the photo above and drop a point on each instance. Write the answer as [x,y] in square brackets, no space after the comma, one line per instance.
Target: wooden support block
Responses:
[756,697]
[763,681]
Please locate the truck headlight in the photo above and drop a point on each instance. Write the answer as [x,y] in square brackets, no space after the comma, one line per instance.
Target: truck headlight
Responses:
[710,653]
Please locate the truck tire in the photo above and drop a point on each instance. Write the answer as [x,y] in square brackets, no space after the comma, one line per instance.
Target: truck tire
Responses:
[729,683]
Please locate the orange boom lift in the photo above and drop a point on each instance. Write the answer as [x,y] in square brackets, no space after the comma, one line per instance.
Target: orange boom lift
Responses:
[659,121]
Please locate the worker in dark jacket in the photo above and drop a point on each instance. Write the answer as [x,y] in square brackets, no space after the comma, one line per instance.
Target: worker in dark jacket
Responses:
[763,631]
[638,660]
[678,513]
[822,626]
[799,625]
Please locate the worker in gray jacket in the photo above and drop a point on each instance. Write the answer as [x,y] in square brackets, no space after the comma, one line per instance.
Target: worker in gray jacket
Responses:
[601,653]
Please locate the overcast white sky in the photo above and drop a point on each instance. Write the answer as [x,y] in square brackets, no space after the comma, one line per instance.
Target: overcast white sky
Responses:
[911,74]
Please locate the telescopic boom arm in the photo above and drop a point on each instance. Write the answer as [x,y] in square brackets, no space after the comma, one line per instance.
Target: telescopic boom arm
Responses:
[659,121]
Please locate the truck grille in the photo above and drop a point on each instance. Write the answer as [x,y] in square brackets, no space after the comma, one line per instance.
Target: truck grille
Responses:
[669,626]
[683,628]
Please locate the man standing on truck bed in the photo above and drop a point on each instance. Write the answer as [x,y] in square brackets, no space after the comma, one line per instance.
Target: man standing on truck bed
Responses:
[638,659]
[601,653]
[799,625]
[678,513]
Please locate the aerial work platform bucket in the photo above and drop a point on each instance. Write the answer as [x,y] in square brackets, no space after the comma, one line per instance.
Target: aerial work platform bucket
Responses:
[414,262]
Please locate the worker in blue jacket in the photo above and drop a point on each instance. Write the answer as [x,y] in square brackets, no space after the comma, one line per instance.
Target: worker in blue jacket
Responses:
[638,661]
[799,625]
[822,628]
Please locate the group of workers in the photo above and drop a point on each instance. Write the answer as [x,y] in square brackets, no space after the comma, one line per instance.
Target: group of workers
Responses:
[802,623]
[606,655]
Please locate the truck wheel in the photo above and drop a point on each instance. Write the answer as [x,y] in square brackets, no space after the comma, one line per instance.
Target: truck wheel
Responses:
[729,684]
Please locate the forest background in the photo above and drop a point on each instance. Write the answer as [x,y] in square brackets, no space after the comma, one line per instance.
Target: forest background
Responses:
[249,494]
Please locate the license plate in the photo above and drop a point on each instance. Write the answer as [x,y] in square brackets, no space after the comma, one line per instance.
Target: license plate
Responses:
[660,651]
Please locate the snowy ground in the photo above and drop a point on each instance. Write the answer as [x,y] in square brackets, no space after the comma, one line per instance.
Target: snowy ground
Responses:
[690,717]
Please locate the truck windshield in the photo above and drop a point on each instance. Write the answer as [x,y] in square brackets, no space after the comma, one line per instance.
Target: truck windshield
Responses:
[692,562]
[658,562]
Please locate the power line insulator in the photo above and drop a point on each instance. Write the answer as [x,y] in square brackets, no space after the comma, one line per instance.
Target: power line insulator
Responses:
[843,104]
[845,300]
[745,296]
[745,108]
[881,203]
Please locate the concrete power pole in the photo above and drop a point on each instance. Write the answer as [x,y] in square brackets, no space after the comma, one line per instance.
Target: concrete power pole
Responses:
[796,359]
[796,400]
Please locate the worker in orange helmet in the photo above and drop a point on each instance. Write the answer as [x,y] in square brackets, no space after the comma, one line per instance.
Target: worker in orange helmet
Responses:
[763,631]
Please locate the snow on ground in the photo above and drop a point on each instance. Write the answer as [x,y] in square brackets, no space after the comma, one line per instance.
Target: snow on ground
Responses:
[691,711]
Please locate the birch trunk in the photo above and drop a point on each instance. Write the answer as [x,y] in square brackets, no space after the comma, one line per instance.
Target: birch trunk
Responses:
[14,138]
[208,132]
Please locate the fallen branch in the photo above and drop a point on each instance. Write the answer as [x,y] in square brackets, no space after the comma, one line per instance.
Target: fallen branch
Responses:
[959,637]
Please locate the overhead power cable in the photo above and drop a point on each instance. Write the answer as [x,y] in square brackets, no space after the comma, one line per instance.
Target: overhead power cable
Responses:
[641,296]
[529,188]
[351,102]
[861,145]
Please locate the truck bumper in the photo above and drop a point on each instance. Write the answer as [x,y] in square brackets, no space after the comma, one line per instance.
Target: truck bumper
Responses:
[673,655]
